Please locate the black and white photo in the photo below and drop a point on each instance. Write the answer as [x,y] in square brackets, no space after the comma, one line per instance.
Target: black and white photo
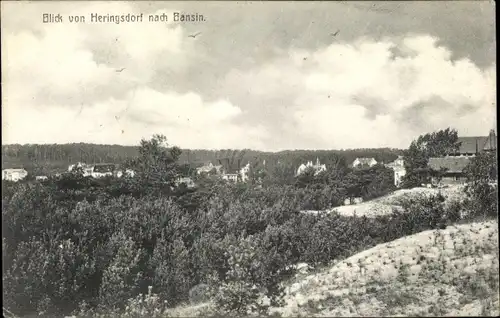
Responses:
[232,158]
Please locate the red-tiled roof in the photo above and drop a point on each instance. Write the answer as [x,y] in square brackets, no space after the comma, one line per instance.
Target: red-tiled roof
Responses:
[452,164]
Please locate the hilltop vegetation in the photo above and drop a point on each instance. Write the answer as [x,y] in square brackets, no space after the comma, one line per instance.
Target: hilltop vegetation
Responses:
[137,247]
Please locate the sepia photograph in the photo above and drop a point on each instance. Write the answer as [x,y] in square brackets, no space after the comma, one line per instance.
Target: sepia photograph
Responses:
[249,159]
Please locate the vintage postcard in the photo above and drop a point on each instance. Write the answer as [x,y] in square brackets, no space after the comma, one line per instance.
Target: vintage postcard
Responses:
[278,158]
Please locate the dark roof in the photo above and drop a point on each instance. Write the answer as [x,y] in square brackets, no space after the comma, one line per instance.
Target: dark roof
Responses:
[477,144]
[452,164]
[471,144]
[230,165]
[104,167]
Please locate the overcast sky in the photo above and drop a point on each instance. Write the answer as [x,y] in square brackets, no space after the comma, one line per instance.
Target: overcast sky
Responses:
[266,76]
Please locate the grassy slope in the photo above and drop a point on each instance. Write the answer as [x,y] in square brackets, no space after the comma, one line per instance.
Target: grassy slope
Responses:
[452,271]
[443,272]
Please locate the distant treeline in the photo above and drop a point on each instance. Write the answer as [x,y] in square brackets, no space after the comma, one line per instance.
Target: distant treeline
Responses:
[51,158]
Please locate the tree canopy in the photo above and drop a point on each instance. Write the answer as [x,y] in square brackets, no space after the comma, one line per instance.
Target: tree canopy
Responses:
[435,144]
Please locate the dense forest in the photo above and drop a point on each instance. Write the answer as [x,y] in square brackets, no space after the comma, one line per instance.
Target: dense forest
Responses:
[48,159]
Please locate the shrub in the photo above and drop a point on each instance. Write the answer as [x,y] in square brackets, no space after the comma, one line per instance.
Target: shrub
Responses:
[173,270]
[121,278]
[243,287]
[482,185]
[420,213]
[141,306]
[199,293]
[149,305]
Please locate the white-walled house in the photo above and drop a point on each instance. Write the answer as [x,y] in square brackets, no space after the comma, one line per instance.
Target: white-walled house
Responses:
[87,169]
[399,170]
[399,173]
[244,172]
[14,174]
[318,167]
[129,173]
[208,168]
[102,170]
[364,162]
[76,165]
[230,177]
[185,180]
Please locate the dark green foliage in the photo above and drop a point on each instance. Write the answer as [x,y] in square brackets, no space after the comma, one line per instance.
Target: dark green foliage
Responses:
[370,183]
[482,185]
[199,293]
[421,213]
[156,167]
[121,278]
[436,144]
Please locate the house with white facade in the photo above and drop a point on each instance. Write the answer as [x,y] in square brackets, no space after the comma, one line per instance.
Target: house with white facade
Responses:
[233,177]
[244,172]
[363,162]
[231,169]
[129,173]
[185,180]
[318,167]
[207,168]
[14,174]
[399,170]
[102,170]
[86,168]
[76,165]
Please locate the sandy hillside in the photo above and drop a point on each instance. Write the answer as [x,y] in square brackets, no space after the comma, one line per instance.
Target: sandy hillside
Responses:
[444,272]
[385,204]
[450,272]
